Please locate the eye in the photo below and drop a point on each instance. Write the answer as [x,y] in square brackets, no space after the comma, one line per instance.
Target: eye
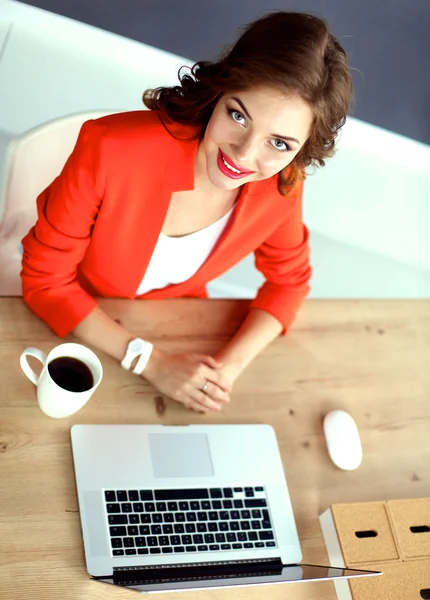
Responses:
[280,145]
[236,116]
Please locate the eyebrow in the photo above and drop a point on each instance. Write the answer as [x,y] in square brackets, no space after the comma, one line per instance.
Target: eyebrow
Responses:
[276,135]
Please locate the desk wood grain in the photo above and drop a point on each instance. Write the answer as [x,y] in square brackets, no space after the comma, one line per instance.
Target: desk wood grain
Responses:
[371,358]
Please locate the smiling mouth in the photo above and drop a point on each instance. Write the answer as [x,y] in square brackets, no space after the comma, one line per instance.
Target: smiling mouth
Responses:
[229,168]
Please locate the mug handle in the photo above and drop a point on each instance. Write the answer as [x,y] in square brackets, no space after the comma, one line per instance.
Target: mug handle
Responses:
[36,353]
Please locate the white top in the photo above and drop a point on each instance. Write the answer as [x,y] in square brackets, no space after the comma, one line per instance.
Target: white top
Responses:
[176,259]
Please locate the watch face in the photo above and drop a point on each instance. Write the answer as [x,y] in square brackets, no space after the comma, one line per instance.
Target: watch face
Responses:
[136,345]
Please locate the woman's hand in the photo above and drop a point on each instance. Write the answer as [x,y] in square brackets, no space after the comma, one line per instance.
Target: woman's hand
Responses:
[182,377]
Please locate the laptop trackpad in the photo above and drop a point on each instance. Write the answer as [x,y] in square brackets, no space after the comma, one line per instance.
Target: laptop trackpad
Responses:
[180,455]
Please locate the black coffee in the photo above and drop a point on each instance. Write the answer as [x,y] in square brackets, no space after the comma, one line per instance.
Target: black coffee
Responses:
[71,374]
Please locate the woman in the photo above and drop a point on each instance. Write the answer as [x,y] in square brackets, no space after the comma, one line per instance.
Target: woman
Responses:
[154,204]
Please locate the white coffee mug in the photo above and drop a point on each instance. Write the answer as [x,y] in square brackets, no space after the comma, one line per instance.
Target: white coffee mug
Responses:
[57,401]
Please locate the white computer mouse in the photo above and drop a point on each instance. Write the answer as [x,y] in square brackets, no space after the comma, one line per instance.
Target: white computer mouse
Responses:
[343,440]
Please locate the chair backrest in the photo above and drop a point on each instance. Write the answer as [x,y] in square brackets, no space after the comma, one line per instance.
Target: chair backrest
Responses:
[32,161]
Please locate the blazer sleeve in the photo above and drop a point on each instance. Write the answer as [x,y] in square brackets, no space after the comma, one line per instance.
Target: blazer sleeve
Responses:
[283,259]
[56,244]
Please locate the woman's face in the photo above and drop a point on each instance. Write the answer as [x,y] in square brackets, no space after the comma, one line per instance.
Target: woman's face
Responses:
[252,135]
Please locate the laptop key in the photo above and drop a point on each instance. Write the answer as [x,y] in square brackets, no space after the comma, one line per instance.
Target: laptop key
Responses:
[252,536]
[220,537]
[144,518]
[197,539]
[224,515]
[255,524]
[169,518]
[202,516]
[196,505]
[249,492]
[110,496]
[195,494]
[172,506]
[117,531]
[209,538]
[175,540]
[126,507]
[215,493]
[202,548]
[231,537]
[191,516]
[142,551]
[214,547]
[118,552]
[161,506]
[167,550]
[245,525]
[118,519]
[186,539]
[155,550]
[179,549]
[190,528]
[223,526]
[245,514]
[225,546]
[234,525]
[212,526]
[167,529]
[259,489]
[256,514]
[140,541]
[237,546]
[228,493]
[266,525]
[157,518]
[128,542]
[213,515]
[179,528]
[201,527]
[248,545]
[259,544]
[116,542]
[206,505]
[255,503]
[184,506]
[149,507]
[238,489]
[113,508]
[227,504]
[163,540]
[190,548]
[180,517]
[122,496]
[156,529]
[133,519]
[235,514]
[152,541]
[144,530]
[133,495]
[138,507]
[130,551]
[132,530]
[241,536]
[216,505]
[146,495]
[266,535]
[238,503]
[270,544]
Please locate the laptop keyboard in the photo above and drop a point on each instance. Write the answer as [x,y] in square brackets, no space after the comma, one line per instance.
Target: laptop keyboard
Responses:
[188,520]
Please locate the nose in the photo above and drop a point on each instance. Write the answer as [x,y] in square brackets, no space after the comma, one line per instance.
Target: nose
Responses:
[246,153]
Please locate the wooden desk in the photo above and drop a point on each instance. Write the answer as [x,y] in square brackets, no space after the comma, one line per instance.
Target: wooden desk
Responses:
[371,358]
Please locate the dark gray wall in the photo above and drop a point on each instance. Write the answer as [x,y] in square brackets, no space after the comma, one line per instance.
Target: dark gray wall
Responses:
[388,42]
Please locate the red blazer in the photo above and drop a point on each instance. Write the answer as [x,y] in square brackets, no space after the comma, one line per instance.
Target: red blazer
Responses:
[99,220]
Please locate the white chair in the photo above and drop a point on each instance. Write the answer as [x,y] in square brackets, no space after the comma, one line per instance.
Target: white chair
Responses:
[31,162]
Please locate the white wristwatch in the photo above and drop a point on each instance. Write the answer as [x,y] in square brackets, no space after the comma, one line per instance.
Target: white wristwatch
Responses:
[137,347]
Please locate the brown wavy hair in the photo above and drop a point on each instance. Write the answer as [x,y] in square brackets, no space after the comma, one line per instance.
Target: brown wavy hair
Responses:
[292,51]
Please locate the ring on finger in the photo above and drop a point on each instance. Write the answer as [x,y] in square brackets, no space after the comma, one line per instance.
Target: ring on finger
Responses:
[205,387]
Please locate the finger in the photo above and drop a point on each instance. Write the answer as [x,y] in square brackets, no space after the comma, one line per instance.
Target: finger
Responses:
[217,379]
[205,401]
[209,361]
[216,393]
[196,407]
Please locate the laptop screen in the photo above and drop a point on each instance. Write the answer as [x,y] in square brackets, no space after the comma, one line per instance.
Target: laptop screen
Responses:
[208,576]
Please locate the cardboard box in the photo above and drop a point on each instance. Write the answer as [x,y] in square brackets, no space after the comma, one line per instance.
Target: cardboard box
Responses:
[358,534]
[411,524]
[400,581]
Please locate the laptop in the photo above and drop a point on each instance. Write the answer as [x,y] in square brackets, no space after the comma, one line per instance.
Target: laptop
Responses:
[177,508]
